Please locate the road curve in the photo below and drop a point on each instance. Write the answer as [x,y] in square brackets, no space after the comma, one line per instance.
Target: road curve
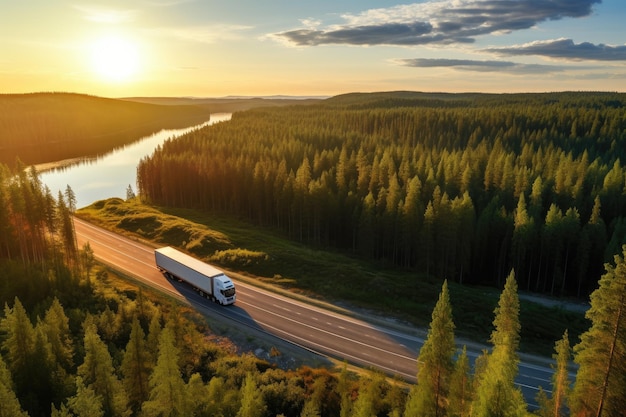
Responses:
[339,336]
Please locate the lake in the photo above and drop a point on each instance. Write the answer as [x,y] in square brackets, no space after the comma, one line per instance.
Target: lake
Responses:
[97,178]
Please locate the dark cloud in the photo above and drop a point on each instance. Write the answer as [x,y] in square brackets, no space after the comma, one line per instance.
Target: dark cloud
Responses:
[480,66]
[566,49]
[398,33]
[439,22]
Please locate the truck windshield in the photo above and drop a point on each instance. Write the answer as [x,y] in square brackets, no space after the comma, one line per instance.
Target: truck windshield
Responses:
[229,292]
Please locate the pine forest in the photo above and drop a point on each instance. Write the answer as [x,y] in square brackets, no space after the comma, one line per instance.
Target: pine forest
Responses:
[461,187]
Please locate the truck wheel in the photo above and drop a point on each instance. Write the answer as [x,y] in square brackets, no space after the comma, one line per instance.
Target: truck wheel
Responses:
[201,293]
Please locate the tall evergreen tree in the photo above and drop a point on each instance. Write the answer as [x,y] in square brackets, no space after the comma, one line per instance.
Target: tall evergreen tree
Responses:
[429,397]
[9,405]
[496,394]
[368,403]
[556,405]
[20,337]
[460,387]
[167,388]
[136,367]
[252,403]
[313,405]
[57,329]
[98,373]
[344,390]
[86,403]
[600,388]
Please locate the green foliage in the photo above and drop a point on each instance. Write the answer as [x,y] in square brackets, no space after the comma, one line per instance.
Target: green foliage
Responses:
[252,404]
[435,363]
[238,258]
[496,393]
[98,374]
[9,404]
[601,354]
[460,387]
[136,367]
[556,405]
[86,402]
[167,388]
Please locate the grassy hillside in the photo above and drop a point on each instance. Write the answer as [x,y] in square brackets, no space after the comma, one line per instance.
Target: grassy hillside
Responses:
[268,257]
[47,127]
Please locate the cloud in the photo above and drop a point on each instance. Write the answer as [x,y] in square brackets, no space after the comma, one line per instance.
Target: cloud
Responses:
[480,66]
[438,22]
[104,15]
[565,49]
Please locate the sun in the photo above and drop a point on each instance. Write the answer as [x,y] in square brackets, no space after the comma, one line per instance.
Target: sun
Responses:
[115,58]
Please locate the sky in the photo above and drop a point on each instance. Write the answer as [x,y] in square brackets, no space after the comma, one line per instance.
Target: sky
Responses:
[206,48]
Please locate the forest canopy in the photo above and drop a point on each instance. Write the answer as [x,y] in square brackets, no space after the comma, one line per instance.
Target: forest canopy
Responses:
[461,186]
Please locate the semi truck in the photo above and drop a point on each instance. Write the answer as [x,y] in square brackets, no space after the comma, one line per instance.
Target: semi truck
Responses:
[207,280]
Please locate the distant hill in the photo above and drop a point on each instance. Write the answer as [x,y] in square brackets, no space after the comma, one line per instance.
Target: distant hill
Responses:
[228,104]
[391,99]
[47,127]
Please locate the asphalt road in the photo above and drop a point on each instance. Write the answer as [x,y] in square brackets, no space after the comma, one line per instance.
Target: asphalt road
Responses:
[391,350]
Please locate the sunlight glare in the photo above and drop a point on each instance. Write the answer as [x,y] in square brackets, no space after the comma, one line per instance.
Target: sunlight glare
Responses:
[115,58]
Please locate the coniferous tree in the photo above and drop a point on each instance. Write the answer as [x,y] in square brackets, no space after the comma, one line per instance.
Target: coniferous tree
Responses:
[57,329]
[600,388]
[98,374]
[19,340]
[368,403]
[460,387]
[496,394]
[136,367]
[252,403]
[167,388]
[344,390]
[429,397]
[9,404]
[313,405]
[86,403]
[556,405]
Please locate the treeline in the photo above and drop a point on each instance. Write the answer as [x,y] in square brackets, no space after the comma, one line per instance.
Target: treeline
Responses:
[467,188]
[35,226]
[49,127]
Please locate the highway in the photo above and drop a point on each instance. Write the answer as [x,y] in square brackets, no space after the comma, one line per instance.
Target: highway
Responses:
[388,349]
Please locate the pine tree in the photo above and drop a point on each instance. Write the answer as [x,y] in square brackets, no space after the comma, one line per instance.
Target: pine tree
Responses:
[344,390]
[98,374]
[600,388]
[252,403]
[435,362]
[496,394]
[560,378]
[86,403]
[368,403]
[313,405]
[555,406]
[57,328]
[136,367]
[460,387]
[167,388]
[20,336]
[9,405]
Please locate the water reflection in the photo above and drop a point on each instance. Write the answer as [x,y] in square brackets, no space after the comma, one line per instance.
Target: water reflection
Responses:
[109,175]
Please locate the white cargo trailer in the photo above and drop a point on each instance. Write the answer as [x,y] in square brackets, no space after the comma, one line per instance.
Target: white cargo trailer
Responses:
[209,281]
